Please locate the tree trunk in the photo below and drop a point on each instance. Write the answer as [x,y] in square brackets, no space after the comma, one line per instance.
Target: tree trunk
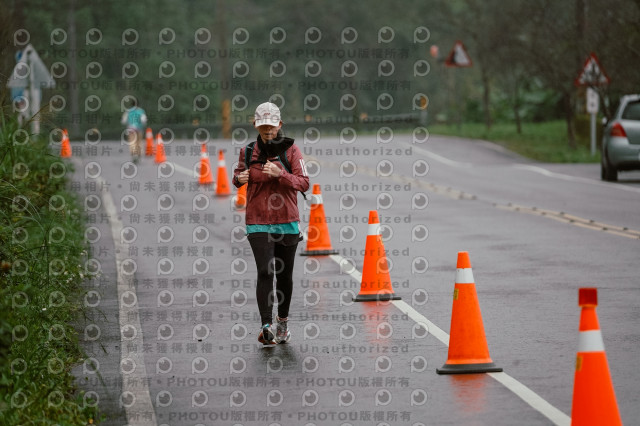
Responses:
[581,30]
[486,101]
[10,21]
[516,107]
[568,109]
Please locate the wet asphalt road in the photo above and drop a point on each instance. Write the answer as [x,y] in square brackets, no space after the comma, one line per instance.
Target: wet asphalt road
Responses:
[189,287]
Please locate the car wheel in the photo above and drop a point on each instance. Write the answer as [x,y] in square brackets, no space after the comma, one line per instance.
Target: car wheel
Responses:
[607,171]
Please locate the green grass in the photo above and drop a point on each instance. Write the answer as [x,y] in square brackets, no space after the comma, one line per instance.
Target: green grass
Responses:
[42,268]
[546,142]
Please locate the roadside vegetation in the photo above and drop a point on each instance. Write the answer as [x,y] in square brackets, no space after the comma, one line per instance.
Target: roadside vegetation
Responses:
[42,267]
[545,142]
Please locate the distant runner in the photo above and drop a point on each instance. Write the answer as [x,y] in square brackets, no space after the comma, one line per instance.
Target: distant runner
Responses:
[135,119]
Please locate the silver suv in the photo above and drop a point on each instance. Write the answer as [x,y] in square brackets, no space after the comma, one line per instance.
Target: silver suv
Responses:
[621,139]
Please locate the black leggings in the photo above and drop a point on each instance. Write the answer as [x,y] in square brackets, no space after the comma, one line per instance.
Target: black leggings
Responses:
[274,255]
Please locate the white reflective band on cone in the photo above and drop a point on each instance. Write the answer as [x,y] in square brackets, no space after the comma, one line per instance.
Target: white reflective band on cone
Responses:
[221,163]
[316,198]
[374,229]
[464,276]
[590,341]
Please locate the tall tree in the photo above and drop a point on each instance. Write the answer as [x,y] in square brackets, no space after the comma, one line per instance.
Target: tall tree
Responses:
[552,46]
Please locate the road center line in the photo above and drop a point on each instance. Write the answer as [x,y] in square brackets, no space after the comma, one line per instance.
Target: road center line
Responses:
[573,220]
[526,394]
[135,392]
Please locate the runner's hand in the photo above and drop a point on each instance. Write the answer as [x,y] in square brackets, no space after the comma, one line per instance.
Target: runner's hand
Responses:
[243,177]
[271,169]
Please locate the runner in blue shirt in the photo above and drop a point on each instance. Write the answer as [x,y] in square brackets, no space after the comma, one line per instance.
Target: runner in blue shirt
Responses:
[135,119]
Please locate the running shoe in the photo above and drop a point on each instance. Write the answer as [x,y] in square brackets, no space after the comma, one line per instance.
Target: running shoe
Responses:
[266,336]
[282,333]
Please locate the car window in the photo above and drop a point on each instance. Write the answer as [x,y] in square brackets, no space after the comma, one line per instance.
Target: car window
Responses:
[632,111]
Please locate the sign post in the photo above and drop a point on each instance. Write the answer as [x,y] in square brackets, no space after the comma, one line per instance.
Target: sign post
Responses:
[458,57]
[593,104]
[31,75]
[592,75]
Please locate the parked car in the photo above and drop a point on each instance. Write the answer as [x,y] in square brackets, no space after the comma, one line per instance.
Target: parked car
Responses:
[621,139]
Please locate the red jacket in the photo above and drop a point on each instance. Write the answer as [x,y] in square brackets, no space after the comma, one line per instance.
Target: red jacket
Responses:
[273,200]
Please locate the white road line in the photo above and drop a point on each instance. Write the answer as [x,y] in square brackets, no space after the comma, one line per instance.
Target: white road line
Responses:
[495,147]
[184,170]
[569,178]
[533,399]
[135,392]
[437,157]
[527,395]
[535,169]
[434,330]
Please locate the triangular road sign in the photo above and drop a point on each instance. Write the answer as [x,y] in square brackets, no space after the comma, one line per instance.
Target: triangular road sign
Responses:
[592,73]
[458,57]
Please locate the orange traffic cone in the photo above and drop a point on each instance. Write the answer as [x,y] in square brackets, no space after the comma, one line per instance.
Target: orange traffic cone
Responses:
[240,200]
[376,282]
[149,137]
[594,400]
[468,349]
[160,155]
[65,149]
[318,239]
[222,188]
[206,177]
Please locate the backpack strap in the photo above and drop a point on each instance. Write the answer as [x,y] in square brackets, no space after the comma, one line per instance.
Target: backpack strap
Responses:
[248,153]
[285,161]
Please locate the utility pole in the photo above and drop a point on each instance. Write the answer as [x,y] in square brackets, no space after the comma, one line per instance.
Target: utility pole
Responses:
[73,72]
[225,82]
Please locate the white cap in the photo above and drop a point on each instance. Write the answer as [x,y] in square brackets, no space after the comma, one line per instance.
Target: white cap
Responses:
[267,113]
